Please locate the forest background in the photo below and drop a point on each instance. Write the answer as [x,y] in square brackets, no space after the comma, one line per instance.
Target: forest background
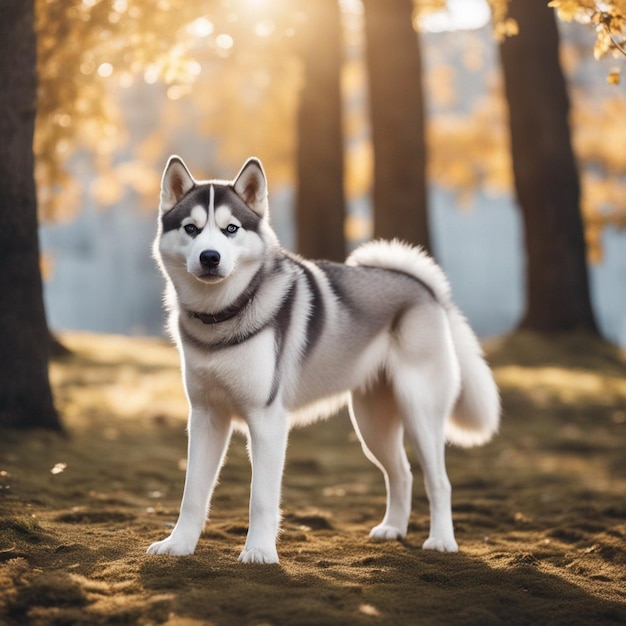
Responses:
[218,82]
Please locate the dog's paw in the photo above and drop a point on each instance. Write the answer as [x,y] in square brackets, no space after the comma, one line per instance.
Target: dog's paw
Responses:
[254,555]
[441,545]
[383,532]
[172,547]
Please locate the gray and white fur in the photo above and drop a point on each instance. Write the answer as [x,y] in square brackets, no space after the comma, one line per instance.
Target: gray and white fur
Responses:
[269,340]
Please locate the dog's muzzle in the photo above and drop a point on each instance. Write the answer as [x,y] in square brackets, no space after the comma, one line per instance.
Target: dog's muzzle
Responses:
[209,267]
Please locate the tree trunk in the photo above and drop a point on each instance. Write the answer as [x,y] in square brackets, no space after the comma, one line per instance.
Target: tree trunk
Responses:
[397,114]
[546,174]
[320,201]
[25,395]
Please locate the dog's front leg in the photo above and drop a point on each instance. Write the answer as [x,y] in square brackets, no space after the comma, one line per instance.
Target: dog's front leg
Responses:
[208,439]
[267,446]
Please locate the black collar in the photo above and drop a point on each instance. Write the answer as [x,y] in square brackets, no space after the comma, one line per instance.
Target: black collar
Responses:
[235,308]
[216,318]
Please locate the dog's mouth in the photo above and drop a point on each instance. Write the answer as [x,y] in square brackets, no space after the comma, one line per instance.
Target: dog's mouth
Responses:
[210,277]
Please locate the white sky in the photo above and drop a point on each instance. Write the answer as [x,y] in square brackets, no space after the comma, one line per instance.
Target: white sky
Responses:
[459,15]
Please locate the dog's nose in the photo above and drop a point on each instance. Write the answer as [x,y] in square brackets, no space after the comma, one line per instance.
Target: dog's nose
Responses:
[209,258]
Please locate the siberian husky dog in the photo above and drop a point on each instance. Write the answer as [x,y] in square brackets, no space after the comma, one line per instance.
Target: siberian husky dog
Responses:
[269,340]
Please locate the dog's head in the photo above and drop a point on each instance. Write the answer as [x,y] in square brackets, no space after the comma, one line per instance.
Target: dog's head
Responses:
[209,228]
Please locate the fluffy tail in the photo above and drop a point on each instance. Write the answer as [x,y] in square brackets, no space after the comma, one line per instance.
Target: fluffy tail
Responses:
[476,415]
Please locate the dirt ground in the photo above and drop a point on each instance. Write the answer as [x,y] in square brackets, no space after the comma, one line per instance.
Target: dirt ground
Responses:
[540,513]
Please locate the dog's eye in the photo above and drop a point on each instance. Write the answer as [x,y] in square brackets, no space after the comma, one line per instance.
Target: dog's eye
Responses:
[231,229]
[191,229]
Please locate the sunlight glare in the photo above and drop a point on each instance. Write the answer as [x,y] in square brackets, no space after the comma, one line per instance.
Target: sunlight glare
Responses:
[264,28]
[151,74]
[458,15]
[224,41]
[105,70]
[194,68]
[351,6]
[202,27]
[59,468]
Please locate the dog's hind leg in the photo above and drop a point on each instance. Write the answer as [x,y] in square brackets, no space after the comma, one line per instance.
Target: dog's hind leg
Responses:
[424,425]
[425,376]
[377,422]
[425,432]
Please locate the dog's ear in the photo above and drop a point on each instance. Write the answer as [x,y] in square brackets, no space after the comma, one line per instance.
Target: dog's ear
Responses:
[251,186]
[176,182]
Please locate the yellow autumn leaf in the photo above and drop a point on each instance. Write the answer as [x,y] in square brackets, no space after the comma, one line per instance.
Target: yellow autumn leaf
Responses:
[602,45]
[506,28]
[614,77]
[511,28]
[567,9]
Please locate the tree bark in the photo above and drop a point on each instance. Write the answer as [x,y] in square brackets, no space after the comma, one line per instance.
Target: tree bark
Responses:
[25,394]
[546,174]
[396,101]
[320,200]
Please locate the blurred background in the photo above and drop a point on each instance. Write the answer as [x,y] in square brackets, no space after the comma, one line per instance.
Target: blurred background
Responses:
[125,83]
